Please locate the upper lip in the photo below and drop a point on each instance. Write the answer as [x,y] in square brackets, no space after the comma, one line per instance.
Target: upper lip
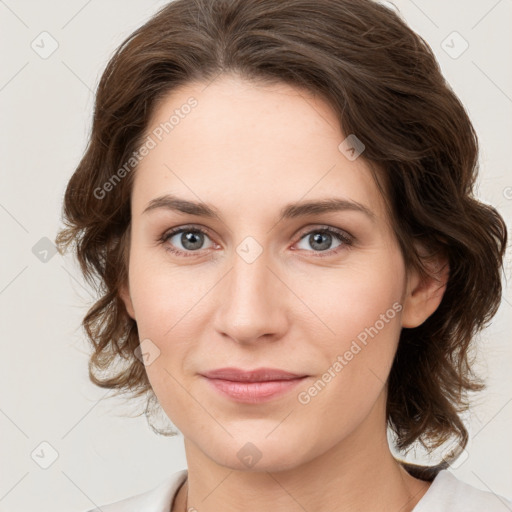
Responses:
[256,375]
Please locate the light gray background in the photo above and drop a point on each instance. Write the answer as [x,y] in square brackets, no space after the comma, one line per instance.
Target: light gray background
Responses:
[46,106]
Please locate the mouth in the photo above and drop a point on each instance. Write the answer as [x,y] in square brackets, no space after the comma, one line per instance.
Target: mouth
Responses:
[252,386]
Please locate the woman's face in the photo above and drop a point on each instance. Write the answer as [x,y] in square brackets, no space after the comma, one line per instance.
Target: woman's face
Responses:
[260,289]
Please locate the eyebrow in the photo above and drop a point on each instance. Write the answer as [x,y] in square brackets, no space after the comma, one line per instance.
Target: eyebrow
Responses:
[289,211]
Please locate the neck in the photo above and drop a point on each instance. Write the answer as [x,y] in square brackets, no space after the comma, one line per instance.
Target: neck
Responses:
[359,473]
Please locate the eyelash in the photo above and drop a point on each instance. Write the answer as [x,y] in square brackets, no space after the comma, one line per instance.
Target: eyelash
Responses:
[346,239]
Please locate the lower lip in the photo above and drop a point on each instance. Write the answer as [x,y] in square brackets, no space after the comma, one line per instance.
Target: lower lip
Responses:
[254,392]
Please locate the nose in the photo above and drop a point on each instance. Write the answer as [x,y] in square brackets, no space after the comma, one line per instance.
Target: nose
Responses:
[253,302]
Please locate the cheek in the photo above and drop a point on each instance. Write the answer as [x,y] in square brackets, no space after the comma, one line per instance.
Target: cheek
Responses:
[353,299]
[163,296]
[169,307]
[362,310]
[167,384]
[357,358]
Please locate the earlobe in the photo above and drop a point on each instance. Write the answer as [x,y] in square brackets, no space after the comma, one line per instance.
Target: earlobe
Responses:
[124,293]
[423,295]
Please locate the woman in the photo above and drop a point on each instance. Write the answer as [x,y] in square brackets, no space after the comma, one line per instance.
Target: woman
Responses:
[277,201]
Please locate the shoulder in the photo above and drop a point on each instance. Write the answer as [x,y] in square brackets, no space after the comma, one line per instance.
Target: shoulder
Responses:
[449,494]
[156,499]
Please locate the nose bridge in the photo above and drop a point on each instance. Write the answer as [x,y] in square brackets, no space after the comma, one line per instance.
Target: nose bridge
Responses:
[252,298]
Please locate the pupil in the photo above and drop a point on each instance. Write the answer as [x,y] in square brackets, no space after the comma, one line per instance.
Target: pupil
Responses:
[317,239]
[191,238]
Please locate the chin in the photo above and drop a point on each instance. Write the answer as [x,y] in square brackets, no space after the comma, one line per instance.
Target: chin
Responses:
[256,453]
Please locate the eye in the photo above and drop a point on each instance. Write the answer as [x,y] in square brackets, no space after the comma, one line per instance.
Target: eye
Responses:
[321,240]
[190,239]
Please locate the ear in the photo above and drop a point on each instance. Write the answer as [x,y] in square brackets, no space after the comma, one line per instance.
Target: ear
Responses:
[423,295]
[124,293]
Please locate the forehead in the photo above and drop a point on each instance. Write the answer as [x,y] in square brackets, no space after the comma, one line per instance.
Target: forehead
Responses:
[241,146]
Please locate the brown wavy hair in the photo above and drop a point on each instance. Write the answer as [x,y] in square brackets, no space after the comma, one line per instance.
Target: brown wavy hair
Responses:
[383,82]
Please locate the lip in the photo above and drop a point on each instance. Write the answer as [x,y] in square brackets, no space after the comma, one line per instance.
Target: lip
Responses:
[252,386]
[256,375]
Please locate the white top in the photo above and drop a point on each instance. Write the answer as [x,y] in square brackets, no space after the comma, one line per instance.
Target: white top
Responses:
[446,494]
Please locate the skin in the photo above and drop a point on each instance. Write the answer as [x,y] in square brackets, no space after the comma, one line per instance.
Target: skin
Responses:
[248,150]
